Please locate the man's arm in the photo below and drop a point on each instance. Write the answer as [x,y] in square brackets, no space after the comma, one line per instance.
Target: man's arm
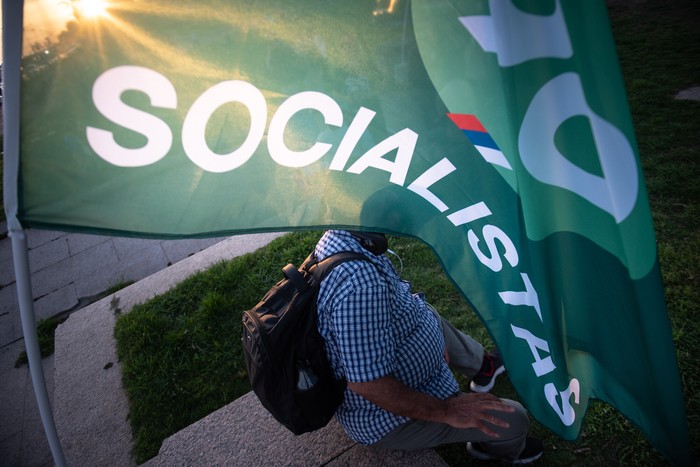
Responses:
[472,410]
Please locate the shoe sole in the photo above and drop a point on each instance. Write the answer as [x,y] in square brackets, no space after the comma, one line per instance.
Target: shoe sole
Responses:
[482,456]
[529,460]
[476,454]
[476,388]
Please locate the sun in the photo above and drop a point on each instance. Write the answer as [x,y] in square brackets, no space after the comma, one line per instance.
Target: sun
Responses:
[90,8]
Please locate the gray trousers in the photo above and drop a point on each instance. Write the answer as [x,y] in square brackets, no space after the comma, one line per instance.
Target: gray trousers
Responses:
[465,356]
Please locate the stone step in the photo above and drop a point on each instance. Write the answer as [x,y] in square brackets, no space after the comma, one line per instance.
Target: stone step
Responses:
[244,434]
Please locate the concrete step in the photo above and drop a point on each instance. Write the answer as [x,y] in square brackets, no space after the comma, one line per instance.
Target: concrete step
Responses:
[244,434]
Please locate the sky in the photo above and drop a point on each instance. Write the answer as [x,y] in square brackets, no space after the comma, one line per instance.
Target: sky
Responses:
[42,19]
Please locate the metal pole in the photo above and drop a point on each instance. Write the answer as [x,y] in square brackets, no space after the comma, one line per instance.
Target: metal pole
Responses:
[31,342]
[12,20]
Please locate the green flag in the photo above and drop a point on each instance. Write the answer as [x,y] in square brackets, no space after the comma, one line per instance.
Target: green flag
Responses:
[496,131]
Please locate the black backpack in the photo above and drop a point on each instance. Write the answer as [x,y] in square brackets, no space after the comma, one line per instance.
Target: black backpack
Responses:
[284,353]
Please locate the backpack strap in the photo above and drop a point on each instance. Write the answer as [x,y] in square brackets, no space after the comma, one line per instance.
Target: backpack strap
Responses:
[293,274]
[320,269]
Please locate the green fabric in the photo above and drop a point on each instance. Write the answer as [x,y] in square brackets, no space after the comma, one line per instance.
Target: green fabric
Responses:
[203,118]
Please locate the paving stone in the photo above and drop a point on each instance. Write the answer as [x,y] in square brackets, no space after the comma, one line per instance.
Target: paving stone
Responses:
[177,250]
[101,256]
[96,268]
[8,299]
[81,242]
[142,264]
[10,327]
[10,449]
[47,254]
[8,357]
[37,237]
[5,250]
[13,385]
[35,448]
[127,247]
[7,272]
[56,302]
[52,278]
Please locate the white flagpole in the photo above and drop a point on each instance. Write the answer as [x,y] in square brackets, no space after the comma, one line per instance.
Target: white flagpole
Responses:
[12,19]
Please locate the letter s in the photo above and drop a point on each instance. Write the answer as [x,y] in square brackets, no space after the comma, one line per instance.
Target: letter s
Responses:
[106,94]
[491,234]
[567,414]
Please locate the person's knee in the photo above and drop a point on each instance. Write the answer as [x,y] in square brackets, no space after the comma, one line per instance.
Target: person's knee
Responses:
[518,421]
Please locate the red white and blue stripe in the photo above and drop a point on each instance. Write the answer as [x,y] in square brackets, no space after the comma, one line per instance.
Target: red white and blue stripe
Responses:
[481,139]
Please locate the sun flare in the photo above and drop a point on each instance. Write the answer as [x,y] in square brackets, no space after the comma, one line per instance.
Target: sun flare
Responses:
[90,8]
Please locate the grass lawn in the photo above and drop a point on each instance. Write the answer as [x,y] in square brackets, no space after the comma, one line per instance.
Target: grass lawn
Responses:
[180,354]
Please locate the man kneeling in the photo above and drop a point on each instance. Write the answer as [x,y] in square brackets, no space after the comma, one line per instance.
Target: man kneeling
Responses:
[396,352]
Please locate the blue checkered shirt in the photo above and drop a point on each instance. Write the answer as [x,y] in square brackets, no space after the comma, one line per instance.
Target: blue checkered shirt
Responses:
[375,326]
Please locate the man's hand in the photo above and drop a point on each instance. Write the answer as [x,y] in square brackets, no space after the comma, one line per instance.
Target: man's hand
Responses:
[475,410]
[471,410]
